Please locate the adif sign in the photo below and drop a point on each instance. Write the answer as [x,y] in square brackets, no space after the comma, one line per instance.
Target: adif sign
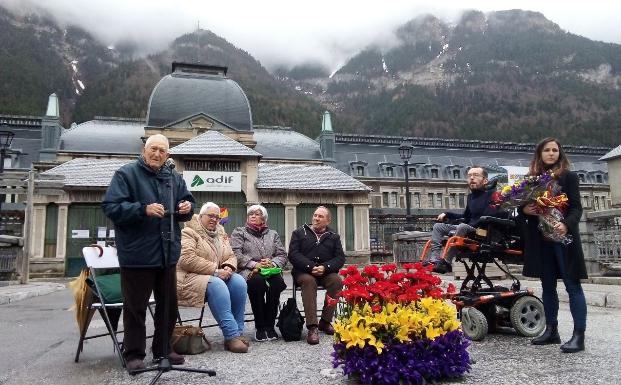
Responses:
[212,180]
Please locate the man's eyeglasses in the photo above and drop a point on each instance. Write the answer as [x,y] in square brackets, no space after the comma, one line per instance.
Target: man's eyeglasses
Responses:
[212,216]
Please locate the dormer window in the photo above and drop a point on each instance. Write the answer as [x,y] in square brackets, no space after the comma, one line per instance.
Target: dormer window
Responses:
[456,174]
[360,170]
[412,172]
[390,172]
[582,178]
[434,173]
[599,178]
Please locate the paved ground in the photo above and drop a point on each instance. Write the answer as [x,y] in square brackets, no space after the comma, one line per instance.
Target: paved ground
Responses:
[39,338]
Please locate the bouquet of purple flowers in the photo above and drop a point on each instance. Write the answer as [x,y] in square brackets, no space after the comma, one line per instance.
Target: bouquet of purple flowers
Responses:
[545,193]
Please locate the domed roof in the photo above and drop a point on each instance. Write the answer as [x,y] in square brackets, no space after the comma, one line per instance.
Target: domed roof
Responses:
[194,89]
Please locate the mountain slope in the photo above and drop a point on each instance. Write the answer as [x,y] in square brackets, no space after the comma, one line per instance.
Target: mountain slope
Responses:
[510,75]
[91,79]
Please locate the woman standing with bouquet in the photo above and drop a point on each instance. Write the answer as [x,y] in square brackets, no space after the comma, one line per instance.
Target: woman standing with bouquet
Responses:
[550,260]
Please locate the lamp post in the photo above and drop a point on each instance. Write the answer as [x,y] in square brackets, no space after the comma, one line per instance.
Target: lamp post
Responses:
[6,137]
[405,152]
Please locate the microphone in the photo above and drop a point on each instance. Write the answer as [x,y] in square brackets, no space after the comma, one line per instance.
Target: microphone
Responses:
[170,163]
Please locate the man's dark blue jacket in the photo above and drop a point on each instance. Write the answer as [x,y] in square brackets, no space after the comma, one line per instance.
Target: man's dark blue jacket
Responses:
[478,205]
[141,241]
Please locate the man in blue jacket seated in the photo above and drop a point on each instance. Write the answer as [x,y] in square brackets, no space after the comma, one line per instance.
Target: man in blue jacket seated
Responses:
[478,205]
[316,253]
[137,202]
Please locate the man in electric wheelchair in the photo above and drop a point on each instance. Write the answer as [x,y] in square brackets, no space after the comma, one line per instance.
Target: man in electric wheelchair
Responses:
[478,204]
[483,306]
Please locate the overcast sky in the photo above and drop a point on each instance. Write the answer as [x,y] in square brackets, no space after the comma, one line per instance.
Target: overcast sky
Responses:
[294,31]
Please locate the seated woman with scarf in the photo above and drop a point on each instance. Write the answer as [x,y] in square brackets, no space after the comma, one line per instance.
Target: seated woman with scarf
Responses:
[256,246]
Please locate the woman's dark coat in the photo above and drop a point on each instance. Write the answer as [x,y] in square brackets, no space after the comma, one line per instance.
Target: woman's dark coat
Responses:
[574,257]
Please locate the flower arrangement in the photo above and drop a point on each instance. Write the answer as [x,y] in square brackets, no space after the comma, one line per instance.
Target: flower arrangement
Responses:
[394,327]
[544,192]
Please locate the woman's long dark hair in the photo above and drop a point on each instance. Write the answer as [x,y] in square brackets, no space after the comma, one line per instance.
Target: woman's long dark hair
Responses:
[537,167]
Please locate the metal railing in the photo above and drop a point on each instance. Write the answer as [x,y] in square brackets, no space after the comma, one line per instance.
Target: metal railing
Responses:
[382,228]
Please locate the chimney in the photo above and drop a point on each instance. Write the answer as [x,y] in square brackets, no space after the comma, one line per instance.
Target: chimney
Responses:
[326,138]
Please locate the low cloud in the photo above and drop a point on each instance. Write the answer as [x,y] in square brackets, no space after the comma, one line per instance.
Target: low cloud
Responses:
[279,32]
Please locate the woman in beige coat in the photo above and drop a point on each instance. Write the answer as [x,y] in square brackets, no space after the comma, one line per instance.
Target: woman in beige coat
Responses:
[206,273]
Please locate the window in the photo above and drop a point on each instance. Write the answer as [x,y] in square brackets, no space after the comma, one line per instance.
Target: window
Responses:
[434,173]
[360,170]
[462,200]
[581,178]
[603,200]
[384,199]
[456,174]
[599,179]
[453,201]
[585,201]
[390,171]
[430,201]
[412,172]
[416,200]
[393,199]
[596,202]
[438,200]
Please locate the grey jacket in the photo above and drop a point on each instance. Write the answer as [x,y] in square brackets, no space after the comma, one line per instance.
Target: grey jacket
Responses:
[249,247]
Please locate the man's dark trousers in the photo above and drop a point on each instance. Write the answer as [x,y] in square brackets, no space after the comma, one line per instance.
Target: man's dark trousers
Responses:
[137,285]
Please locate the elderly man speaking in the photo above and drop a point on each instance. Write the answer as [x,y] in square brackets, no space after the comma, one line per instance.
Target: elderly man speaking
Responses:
[136,201]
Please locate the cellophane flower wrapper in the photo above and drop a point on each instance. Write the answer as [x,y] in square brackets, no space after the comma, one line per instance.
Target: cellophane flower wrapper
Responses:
[545,192]
[395,327]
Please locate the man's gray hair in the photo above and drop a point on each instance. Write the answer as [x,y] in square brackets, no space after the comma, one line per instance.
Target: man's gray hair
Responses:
[260,208]
[159,137]
[207,206]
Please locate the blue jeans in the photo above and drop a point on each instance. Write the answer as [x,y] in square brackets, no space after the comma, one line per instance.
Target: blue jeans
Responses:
[552,266]
[227,302]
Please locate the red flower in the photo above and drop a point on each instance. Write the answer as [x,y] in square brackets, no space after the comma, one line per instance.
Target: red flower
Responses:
[331,302]
[376,308]
[389,267]
[451,288]
[371,270]
[349,270]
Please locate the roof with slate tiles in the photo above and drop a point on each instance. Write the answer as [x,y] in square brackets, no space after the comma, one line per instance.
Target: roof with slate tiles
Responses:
[213,143]
[374,151]
[191,90]
[104,135]
[283,143]
[303,176]
[615,153]
[83,172]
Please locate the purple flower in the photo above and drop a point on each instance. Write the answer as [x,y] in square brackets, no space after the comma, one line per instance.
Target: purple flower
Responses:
[415,362]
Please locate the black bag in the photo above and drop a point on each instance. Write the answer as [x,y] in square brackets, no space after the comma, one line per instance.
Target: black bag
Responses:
[290,321]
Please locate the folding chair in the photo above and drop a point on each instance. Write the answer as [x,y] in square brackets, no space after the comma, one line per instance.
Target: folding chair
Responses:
[106,289]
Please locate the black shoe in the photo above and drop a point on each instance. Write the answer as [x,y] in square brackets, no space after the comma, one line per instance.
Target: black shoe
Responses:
[260,335]
[442,267]
[549,336]
[271,334]
[575,344]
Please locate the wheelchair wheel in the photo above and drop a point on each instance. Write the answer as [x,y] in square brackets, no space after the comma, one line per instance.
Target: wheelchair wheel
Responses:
[473,323]
[527,316]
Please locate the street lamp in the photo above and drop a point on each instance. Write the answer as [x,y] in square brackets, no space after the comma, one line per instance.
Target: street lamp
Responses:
[6,137]
[405,152]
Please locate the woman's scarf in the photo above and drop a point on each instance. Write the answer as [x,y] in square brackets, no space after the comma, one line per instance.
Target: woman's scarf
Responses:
[256,229]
